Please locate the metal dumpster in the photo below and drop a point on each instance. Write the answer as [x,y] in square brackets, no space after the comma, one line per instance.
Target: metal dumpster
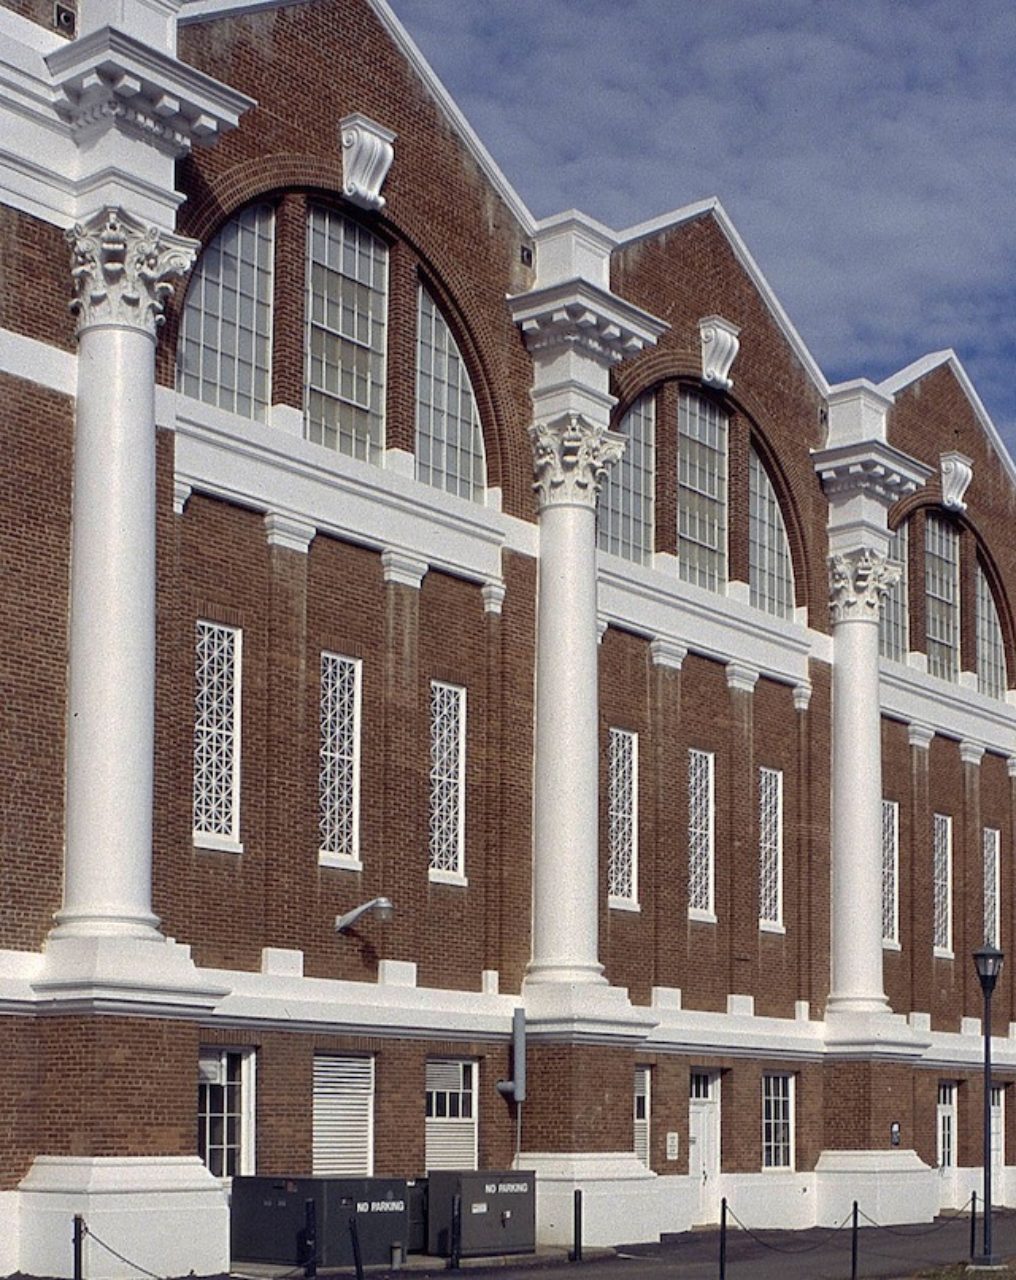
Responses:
[498,1212]
[268,1216]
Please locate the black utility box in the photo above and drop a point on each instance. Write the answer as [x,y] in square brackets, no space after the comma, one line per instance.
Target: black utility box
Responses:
[417,1189]
[498,1212]
[268,1219]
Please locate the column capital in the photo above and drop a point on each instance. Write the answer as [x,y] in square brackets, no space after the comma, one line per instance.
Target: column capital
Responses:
[920,736]
[858,580]
[741,678]
[971,752]
[571,456]
[121,269]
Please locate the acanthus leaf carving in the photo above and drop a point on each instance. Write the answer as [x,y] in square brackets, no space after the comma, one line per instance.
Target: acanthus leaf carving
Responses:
[571,457]
[121,270]
[858,582]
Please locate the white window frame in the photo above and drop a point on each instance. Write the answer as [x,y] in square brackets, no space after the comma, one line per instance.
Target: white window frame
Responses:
[942,877]
[778,1115]
[942,598]
[891,875]
[457,1126]
[702,837]
[219,775]
[642,1101]
[770,850]
[331,1107]
[992,677]
[991,849]
[894,618]
[625,513]
[945,1126]
[703,429]
[339,761]
[623,819]
[449,440]
[770,567]
[447,808]
[213,1072]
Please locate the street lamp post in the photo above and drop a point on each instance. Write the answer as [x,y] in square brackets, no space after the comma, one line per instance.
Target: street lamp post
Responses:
[988,963]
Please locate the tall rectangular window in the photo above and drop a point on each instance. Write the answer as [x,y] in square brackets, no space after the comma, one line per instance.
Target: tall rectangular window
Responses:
[991,839]
[217,736]
[343,1116]
[894,620]
[226,1111]
[942,595]
[339,760]
[890,872]
[701,841]
[702,492]
[347,287]
[642,1099]
[946,1115]
[777,1121]
[770,848]
[991,673]
[450,1130]
[622,817]
[942,869]
[447,782]
[624,515]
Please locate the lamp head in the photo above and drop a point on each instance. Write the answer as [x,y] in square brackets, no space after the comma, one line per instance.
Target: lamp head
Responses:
[988,963]
[383,906]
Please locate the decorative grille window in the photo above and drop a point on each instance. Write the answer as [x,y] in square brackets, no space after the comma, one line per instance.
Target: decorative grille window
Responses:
[625,509]
[217,736]
[447,781]
[450,1128]
[226,1111]
[347,281]
[946,1125]
[339,760]
[701,821]
[991,673]
[642,1112]
[771,576]
[942,589]
[702,492]
[224,352]
[449,442]
[991,839]
[894,620]
[890,872]
[622,817]
[770,847]
[343,1123]
[777,1122]
[943,883]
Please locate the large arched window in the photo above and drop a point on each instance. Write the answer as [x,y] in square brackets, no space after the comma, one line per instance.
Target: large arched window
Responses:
[224,352]
[771,577]
[625,509]
[894,620]
[449,442]
[991,673]
[942,597]
[701,491]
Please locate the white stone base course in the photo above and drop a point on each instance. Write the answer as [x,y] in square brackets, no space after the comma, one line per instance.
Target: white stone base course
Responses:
[781,1198]
[889,1186]
[9,1206]
[167,1214]
[622,1201]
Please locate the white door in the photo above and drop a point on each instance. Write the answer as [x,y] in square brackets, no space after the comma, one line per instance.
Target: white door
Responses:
[704,1143]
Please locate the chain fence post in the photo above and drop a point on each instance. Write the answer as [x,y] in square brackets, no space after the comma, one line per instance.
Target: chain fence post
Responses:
[853,1244]
[79,1246]
[576,1252]
[723,1238]
[354,1236]
[973,1224]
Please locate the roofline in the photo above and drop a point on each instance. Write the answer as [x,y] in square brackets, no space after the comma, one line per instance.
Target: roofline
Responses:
[897,382]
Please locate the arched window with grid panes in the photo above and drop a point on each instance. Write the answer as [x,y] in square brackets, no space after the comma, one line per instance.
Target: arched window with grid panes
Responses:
[624,517]
[702,430]
[770,573]
[992,677]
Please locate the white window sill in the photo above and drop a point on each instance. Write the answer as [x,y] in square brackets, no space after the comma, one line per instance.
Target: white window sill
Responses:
[704,917]
[889,945]
[446,877]
[339,863]
[223,844]
[944,953]
[623,904]
[771,926]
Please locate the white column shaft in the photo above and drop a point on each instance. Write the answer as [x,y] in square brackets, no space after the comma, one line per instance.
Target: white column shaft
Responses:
[567,766]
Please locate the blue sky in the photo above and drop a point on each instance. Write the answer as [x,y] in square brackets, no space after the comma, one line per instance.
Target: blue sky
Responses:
[865,150]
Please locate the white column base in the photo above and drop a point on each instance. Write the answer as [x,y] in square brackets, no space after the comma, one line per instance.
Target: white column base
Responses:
[890,1186]
[582,1009]
[165,1213]
[10,1204]
[870,1033]
[124,975]
[623,1202]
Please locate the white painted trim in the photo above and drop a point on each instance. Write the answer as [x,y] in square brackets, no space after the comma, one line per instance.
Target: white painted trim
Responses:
[437,876]
[929,705]
[38,362]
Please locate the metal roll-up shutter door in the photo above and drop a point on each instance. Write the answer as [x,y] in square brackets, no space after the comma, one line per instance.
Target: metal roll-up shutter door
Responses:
[343,1116]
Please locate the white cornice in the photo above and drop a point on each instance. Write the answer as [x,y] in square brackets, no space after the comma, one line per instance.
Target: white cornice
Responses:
[949,709]
[577,311]
[38,362]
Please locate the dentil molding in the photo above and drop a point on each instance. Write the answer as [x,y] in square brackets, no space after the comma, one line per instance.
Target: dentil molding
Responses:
[858,581]
[121,270]
[367,155]
[571,457]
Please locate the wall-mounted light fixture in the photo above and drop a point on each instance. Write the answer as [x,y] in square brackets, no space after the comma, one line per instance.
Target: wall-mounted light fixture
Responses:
[383,907]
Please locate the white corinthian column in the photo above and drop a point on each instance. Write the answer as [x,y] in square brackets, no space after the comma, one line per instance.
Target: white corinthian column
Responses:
[121,270]
[571,457]
[859,580]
